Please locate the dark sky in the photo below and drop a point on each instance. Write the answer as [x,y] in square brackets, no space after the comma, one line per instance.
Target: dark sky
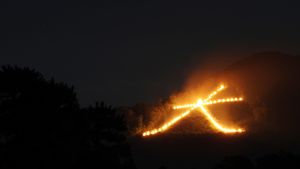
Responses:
[128,52]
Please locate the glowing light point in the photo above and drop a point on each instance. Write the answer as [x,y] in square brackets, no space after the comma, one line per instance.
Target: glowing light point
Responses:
[201,105]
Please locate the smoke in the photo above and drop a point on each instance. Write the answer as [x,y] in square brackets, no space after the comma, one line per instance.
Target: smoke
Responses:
[203,79]
[268,82]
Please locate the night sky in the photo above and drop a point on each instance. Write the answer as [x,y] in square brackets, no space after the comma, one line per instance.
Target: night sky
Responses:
[129,52]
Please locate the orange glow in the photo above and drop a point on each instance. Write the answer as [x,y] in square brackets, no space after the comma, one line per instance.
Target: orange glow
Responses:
[214,93]
[226,100]
[167,125]
[217,125]
[183,106]
[201,105]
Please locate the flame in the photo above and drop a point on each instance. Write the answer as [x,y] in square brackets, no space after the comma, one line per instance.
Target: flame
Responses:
[225,100]
[201,105]
[217,125]
[183,106]
[167,125]
[214,93]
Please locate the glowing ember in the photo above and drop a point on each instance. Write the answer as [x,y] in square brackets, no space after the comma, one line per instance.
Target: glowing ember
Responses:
[214,93]
[227,100]
[201,105]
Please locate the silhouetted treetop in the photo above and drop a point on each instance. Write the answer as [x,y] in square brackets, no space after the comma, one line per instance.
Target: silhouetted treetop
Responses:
[38,118]
[42,126]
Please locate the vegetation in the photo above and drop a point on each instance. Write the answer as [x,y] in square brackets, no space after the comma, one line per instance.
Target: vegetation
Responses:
[42,126]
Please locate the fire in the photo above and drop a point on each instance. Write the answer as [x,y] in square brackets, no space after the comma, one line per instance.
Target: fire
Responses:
[226,100]
[200,104]
[167,125]
[217,125]
[214,93]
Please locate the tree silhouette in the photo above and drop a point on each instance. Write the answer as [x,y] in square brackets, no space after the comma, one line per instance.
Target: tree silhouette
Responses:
[35,119]
[105,139]
[42,126]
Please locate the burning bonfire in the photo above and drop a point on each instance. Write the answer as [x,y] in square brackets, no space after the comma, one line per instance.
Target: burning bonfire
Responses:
[201,106]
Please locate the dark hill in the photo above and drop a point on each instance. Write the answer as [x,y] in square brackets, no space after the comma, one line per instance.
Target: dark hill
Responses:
[270,83]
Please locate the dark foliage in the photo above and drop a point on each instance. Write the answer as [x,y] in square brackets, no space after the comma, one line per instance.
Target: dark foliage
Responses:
[104,141]
[42,126]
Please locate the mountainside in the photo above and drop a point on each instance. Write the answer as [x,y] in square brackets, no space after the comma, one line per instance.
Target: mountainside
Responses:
[270,83]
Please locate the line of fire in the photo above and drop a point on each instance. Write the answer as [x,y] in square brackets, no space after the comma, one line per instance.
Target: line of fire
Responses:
[201,106]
